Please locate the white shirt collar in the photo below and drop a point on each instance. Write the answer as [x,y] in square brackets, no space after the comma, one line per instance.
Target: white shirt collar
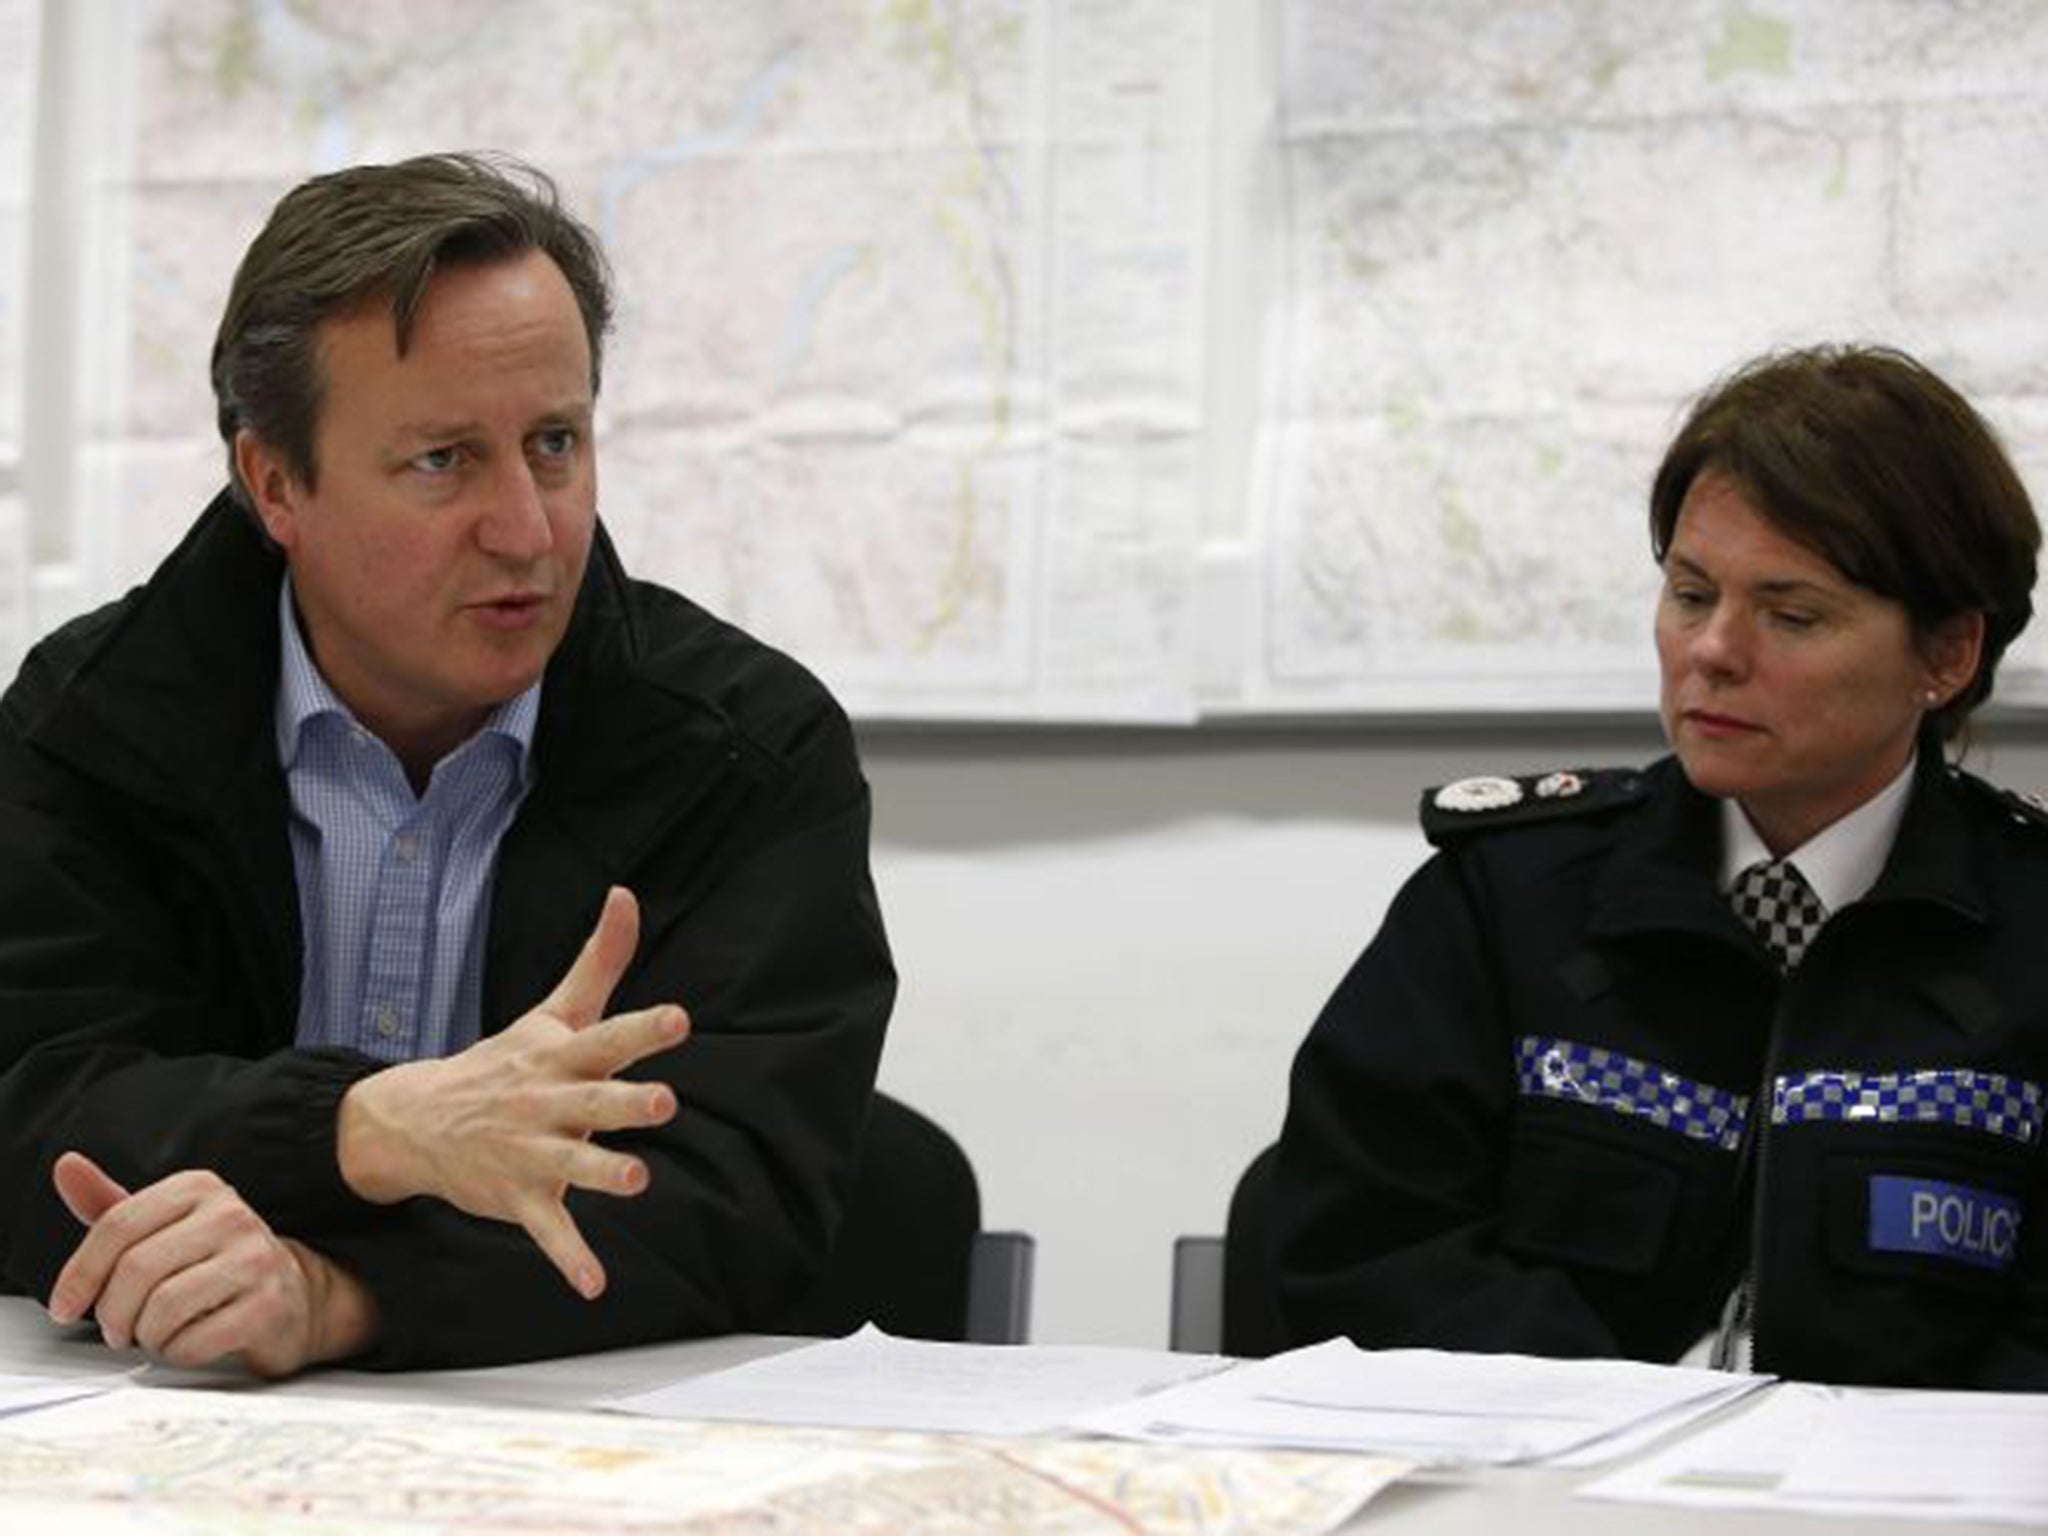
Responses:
[303,694]
[1842,861]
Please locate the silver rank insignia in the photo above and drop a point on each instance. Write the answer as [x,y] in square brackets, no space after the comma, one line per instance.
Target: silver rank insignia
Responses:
[1559,786]
[1480,794]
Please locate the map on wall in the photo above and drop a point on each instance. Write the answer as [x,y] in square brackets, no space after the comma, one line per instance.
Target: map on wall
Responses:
[921,320]
[1516,239]
[908,365]
[19,31]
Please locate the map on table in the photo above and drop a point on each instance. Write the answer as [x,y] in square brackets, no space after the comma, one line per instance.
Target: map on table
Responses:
[177,1461]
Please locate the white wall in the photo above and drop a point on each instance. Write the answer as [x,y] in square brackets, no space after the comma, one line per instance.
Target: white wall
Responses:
[1111,943]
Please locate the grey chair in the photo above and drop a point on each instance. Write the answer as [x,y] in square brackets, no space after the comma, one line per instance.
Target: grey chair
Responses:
[911,1256]
[1225,1298]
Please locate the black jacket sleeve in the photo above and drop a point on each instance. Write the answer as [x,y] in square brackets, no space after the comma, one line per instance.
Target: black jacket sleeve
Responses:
[2016,1360]
[1389,1186]
[777,950]
[126,1035]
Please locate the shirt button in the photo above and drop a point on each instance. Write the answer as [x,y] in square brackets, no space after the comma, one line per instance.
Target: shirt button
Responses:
[387,1020]
[405,848]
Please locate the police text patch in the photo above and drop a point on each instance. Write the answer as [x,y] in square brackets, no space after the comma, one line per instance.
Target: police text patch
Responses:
[1948,1221]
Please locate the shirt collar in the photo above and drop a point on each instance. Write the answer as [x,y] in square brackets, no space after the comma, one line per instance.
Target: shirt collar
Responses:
[303,696]
[1842,861]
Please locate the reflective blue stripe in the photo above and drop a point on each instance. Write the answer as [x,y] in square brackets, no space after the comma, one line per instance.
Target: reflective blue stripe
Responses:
[1981,1101]
[1592,1074]
[1978,1227]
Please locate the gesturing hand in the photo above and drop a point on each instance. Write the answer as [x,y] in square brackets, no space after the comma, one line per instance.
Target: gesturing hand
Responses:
[502,1129]
[186,1270]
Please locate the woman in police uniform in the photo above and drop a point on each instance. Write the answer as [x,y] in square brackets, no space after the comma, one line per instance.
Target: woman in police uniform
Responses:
[1747,1046]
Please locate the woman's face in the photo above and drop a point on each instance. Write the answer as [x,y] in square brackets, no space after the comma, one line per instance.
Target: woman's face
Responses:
[1786,685]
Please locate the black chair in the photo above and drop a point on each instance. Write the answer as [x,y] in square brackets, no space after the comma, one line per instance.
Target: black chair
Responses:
[1225,1299]
[911,1256]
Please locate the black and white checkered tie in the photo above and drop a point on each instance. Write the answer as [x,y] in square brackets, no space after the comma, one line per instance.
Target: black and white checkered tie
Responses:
[1779,907]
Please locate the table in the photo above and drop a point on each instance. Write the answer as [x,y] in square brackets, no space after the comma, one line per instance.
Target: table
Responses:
[1526,1501]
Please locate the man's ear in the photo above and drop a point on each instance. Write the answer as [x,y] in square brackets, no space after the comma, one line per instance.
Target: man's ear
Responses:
[273,487]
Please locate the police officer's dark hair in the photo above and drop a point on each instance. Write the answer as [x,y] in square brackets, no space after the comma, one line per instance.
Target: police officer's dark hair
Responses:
[378,233]
[1870,460]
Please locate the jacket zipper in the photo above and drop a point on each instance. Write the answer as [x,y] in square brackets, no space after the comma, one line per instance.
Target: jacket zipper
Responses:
[1756,1145]
[1738,1316]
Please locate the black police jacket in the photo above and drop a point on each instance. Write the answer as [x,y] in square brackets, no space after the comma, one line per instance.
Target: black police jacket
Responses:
[1564,1097]
[150,953]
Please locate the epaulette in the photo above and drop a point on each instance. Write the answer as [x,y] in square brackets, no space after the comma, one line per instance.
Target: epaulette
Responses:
[2028,808]
[1480,805]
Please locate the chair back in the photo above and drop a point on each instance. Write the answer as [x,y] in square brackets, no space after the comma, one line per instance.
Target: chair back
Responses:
[911,1256]
[1225,1297]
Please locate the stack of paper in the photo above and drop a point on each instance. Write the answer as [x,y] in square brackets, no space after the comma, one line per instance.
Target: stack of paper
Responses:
[1426,1405]
[873,1381]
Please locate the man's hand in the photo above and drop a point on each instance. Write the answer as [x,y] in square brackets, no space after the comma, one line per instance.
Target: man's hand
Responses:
[187,1271]
[502,1129]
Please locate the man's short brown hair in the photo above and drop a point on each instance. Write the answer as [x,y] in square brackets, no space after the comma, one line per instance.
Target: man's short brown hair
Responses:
[378,233]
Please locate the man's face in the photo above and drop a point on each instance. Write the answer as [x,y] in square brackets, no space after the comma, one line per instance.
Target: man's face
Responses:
[437,563]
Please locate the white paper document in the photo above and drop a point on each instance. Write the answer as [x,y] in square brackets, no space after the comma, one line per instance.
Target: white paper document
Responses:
[1949,1447]
[1430,1406]
[1642,1434]
[1947,1456]
[18,1394]
[872,1380]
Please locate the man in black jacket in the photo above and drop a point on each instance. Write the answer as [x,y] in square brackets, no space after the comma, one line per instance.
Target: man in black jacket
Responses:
[358,869]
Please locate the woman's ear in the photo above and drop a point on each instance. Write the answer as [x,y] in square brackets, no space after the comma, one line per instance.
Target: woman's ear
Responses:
[1951,651]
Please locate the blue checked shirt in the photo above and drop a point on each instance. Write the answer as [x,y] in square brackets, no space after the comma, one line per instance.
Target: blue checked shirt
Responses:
[394,888]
